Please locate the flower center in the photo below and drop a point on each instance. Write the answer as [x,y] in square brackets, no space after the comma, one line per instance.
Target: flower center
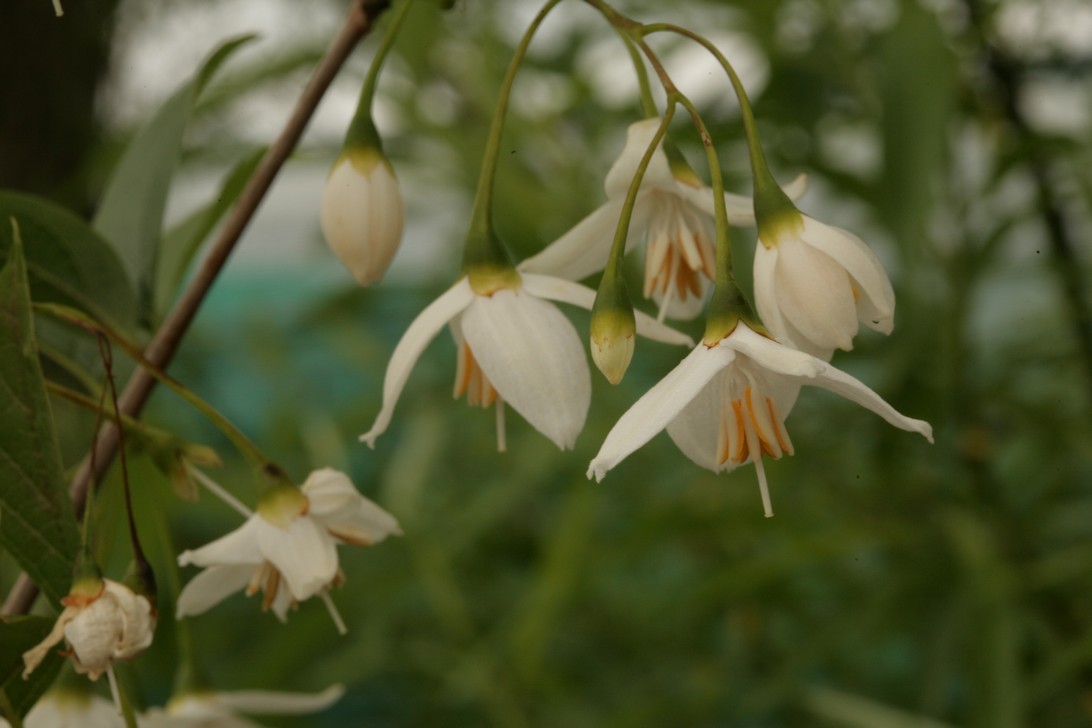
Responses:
[750,427]
[267,579]
[680,251]
[471,380]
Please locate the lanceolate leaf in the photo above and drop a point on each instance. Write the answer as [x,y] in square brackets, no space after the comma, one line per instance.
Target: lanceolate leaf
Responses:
[66,260]
[130,213]
[17,635]
[37,527]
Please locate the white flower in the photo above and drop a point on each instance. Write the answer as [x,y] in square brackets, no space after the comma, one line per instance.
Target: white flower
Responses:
[725,405]
[814,282]
[287,549]
[103,621]
[513,347]
[675,214]
[220,709]
[362,213]
[60,708]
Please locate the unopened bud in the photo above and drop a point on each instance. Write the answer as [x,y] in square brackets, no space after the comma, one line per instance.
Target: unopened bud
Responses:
[362,212]
[613,334]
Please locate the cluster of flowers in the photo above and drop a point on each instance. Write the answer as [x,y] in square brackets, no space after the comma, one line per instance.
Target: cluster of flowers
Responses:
[287,550]
[725,404]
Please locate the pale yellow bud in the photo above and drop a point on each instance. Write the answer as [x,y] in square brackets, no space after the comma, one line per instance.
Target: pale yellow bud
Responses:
[362,213]
[613,335]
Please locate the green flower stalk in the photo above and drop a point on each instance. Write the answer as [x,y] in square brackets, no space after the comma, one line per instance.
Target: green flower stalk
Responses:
[362,212]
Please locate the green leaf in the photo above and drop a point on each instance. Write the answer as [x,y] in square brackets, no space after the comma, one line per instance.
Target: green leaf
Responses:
[180,244]
[67,261]
[17,635]
[130,214]
[38,527]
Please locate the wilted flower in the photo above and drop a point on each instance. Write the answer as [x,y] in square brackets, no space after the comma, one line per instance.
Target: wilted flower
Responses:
[814,282]
[513,346]
[725,405]
[103,621]
[362,212]
[673,211]
[220,709]
[287,549]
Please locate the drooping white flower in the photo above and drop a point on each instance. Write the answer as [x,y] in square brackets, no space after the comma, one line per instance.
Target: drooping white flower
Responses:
[221,709]
[814,282]
[288,549]
[103,622]
[362,212]
[514,347]
[61,708]
[725,405]
[674,212]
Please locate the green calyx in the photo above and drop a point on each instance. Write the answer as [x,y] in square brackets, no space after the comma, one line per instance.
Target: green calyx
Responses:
[680,168]
[486,262]
[362,134]
[86,576]
[727,307]
[612,313]
[282,503]
[488,278]
[774,212]
[363,159]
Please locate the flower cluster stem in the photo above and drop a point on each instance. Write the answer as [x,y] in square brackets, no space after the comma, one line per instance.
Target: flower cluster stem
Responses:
[769,197]
[362,128]
[482,245]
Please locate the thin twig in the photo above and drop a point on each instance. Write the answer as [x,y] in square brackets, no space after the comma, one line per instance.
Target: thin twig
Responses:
[164,344]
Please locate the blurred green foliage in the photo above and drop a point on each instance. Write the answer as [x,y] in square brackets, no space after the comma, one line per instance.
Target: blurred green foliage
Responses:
[900,584]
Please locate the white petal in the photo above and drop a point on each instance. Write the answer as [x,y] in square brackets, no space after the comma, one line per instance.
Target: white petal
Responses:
[423,330]
[535,360]
[658,173]
[659,406]
[815,295]
[837,381]
[304,553]
[34,656]
[877,299]
[328,491]
[765,287]
[740,208]
[267,702]
[138,620]
[211,587]
[336,504]
[773,356]
[238,547]
[559,289]
[584,249]
[694,429]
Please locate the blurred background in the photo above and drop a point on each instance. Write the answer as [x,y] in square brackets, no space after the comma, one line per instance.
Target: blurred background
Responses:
[900,584]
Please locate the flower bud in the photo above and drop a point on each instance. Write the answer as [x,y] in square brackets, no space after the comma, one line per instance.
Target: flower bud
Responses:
[362,212]
[612,340]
